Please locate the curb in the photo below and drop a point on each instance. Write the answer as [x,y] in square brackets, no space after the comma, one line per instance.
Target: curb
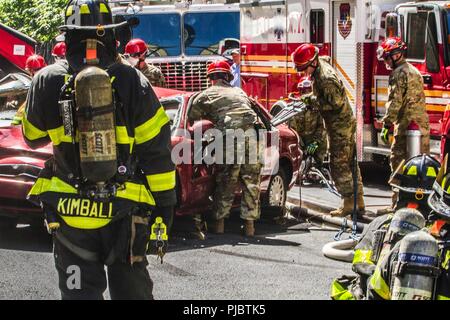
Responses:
[320,208]
[320,212]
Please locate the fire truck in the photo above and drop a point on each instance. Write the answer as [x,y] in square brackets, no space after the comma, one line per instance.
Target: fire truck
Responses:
[349,32]
[183,37]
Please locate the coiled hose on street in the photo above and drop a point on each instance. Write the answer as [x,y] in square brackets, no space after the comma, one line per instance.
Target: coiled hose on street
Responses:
[340,250]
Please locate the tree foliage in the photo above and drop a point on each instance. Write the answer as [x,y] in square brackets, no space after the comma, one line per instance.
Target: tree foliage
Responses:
[38,19]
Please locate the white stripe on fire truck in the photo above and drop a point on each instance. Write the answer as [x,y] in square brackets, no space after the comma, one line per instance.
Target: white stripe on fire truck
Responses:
[429,100]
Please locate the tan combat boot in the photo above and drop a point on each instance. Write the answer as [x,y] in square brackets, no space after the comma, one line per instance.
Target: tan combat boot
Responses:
[249,228]
[200,228]
[218,226]
[345,209]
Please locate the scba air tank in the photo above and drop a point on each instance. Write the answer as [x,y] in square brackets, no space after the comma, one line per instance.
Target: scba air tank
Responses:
[96,125]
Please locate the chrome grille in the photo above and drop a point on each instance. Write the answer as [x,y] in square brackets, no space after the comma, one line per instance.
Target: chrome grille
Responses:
[185,75]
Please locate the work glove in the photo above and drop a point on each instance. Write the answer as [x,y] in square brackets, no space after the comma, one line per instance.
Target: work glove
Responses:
[385,134]
[307,99]
[311,149]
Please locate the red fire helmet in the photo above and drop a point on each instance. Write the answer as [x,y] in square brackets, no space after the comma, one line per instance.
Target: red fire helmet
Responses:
[59,50]
[304,55]
[35,62]
[136,47]
[219,66]
[391,46]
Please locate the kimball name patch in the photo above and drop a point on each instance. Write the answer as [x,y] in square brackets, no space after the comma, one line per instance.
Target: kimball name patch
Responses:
[85,208]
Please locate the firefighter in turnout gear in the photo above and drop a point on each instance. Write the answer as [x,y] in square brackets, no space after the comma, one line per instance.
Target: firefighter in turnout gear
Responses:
[135,52]
[429,279]
[97,198]
[229,109]
[406,103]
[330,99]
[310,128]
[415,180]
[33,64]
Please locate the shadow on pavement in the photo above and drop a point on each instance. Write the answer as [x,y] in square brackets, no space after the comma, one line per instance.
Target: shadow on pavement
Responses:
[36,239]
[267,229]
[26,238]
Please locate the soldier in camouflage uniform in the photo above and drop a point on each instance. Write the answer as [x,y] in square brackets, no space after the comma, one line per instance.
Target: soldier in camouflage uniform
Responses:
[229,109]
[136,51]
[310,128]
[330,99]
[406,102]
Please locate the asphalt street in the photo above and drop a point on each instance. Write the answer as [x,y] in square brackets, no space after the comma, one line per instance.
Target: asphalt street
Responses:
[281,262]
[278,264]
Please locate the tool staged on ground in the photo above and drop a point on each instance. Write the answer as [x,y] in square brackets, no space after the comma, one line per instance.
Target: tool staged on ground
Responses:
[225,150]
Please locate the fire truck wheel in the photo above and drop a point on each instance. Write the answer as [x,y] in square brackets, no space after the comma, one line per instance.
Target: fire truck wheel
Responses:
[277,191]
[7,223]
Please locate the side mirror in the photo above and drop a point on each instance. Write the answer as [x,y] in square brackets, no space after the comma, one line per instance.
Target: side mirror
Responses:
[392,25]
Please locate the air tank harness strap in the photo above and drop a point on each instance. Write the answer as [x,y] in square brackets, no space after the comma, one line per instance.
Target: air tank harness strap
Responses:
[404,267]
[89,112]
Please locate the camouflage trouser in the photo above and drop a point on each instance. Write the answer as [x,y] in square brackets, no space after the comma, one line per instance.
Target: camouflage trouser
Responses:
[398,148]
[341,164]
[228,179]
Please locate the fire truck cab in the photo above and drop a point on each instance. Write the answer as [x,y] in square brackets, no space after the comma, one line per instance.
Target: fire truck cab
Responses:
[350,32]
[183,38]
[425,27]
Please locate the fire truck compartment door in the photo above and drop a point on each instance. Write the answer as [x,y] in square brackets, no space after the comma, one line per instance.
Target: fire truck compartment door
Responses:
[344,44]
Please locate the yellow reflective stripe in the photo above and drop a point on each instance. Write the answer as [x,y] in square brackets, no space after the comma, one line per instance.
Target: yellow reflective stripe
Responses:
[446,263]
[338,292]
[16,120]
[137,193]
[57,136]
[431,172]
[54,184]
[69,11]
[439,297]
[412,171]
[162,182]
[85,222]
[103,8]
[84,9]
[378,284]
[362,256]
[152,127]
[31,132]
[122,137]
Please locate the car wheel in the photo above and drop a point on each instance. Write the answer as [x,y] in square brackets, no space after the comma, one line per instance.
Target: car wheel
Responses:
[7,223]
[277,190]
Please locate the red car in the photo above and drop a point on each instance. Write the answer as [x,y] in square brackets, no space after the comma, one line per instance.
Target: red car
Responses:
[19,165]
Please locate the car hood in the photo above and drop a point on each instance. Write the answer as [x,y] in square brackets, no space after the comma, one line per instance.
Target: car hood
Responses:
[14,150]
